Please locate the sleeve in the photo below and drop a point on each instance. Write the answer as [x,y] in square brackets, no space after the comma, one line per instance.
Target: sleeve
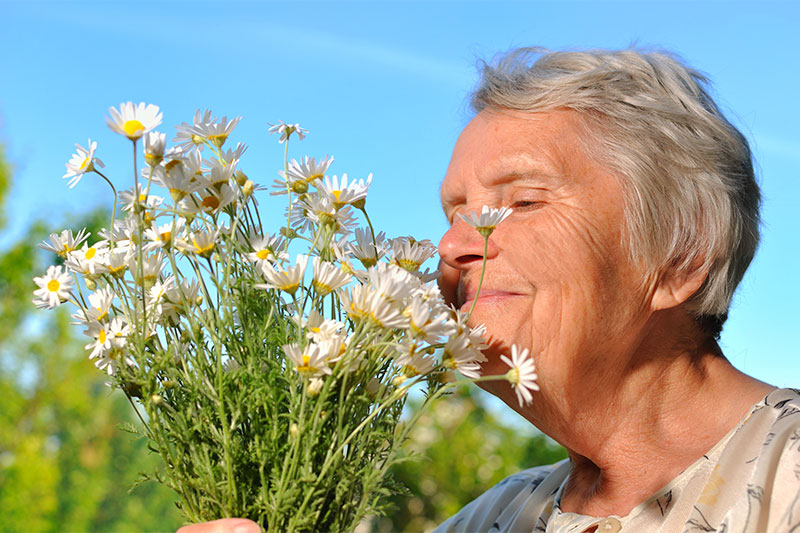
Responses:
[487,511]
[784,496]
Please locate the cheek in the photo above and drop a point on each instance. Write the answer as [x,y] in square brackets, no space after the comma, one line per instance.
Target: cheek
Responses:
[580,288]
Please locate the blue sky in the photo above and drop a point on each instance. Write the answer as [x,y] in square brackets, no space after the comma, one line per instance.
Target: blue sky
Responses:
[382,86]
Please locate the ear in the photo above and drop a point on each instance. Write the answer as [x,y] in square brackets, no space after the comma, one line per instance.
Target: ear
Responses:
[676,287]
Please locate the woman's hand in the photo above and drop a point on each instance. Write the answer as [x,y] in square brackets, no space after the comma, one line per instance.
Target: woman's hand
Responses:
[226,525]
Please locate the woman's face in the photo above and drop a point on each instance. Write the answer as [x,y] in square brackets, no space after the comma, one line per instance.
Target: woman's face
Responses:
[558,277]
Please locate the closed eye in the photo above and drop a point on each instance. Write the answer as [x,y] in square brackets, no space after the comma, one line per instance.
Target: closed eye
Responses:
[526,205]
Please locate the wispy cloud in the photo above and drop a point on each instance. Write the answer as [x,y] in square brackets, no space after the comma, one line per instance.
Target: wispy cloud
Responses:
[198,32]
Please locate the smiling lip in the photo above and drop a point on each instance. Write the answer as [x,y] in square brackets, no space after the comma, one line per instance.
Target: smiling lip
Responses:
[488,296]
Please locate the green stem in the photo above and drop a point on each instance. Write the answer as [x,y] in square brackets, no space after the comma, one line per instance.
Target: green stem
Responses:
[483,271]
[288,192]
[114,208]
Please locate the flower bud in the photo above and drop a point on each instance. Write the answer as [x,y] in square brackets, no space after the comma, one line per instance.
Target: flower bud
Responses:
[289,233]
[399,380]
[314,386]
[157,399]
[294,430]
[248,187]
[241,178]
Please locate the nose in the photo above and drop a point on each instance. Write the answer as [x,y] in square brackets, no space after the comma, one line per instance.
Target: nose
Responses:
[461,249]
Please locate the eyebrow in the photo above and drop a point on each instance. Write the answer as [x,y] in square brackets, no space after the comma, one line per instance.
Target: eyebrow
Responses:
[533,169]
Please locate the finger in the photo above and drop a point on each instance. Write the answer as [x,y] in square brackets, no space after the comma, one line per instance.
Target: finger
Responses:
[224,525]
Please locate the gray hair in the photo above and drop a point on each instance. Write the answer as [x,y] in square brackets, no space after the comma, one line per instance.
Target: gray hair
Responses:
[692,200]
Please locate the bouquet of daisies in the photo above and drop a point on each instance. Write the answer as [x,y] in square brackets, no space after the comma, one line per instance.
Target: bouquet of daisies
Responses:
[271,382]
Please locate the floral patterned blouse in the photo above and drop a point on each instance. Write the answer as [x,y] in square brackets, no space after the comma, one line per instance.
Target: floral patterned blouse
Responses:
[748,483]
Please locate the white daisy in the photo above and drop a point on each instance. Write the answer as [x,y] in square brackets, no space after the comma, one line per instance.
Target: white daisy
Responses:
[318,327]
[133,121]
[64,243]
[459,354]
[221,172]
[212,200]
[488,220]
[299,175]
[89,260]
[100,302]
[287,280]
[328,277]
[162,236]
[82,161]
[175,177]
[117,260]
[202,243]
[342,192]
[427,322]
[267,248]
[154,147]
[102,340]
[286,130]
[186,293]
[364,249]
[185,139]
[129,198]
[412,360]
[364,303]
[54,288]
[409,253]
[313,208]
[233,156]
[214,131]
[522,375]
[151,266]
[392,283]
[309,361]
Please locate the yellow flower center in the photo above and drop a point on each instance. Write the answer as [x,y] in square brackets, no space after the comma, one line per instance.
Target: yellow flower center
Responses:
[210,202]
[203,250]
[90,253]
[291,288]
[53,285]
[407,264]
[133,129]
[513,376]
[218,139]
[102,336]
[172,164]
[263,254]
[306,368]
[101,314]
[85,163]
[322,288]
[165,236]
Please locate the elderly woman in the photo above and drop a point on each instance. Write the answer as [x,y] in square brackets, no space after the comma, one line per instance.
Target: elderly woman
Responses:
[635,216]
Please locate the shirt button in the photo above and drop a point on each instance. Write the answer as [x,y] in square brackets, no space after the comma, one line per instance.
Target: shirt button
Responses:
[609,525]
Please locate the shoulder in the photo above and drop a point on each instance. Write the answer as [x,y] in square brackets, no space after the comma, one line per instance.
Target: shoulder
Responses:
[778,482]
[532,487]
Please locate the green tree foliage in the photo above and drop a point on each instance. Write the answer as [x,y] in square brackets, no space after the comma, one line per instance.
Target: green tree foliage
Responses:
[461,450]
[64,463]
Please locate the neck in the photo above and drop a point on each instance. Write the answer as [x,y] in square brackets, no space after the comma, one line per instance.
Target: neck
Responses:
[654,403]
